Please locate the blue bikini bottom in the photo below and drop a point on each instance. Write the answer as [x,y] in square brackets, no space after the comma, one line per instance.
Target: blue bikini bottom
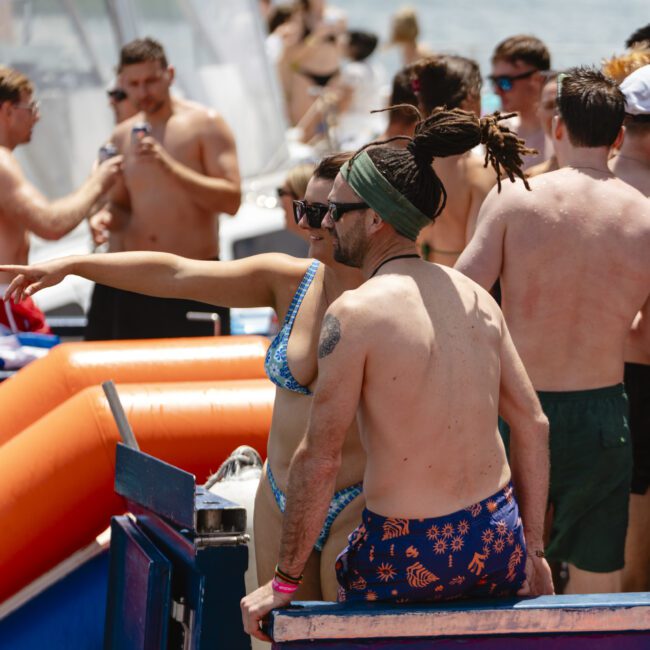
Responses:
[339,501]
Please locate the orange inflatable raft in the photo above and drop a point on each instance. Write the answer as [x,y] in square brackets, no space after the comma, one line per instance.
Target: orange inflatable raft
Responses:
[57,475]
[71,367]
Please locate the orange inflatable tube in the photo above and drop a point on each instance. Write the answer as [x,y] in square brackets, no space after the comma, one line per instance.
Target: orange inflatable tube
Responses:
[57,476]
[71,367]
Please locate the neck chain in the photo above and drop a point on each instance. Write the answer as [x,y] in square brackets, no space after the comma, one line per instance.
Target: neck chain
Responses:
[390,259]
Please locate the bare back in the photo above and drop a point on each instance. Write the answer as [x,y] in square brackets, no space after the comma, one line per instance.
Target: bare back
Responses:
[467,183]
[164,215]
[428,457]
[575,273]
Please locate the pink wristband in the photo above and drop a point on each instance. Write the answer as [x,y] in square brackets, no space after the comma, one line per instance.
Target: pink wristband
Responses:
[283,587]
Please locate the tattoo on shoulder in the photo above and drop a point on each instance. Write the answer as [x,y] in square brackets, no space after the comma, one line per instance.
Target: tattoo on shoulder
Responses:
[330,335]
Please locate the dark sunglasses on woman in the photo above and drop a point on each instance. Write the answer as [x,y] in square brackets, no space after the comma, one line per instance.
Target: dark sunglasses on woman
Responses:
[313,212]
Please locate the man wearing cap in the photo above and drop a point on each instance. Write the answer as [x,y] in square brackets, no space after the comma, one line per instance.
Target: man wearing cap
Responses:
[518,64]
[632,164]
[572,256]
[424,356]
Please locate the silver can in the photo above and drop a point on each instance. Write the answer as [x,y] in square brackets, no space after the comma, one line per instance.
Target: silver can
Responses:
[107,151]
[139,131]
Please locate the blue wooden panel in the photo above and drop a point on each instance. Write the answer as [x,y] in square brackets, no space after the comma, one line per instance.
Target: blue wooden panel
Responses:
[211,580]
[585,614]
[139,478]
[139,595]
[69,614]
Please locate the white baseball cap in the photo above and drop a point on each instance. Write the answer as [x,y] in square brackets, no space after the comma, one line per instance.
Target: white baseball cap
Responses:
[636,88]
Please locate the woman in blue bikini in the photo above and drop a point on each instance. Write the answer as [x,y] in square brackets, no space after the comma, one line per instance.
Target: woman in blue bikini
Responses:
[300,290]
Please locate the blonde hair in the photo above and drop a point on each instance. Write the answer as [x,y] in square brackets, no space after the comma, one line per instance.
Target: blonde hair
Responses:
[298,177]
[619,67]
[12,83]
[405,27]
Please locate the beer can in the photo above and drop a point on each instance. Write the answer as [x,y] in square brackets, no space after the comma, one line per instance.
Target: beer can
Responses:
[107,151]
[139,131]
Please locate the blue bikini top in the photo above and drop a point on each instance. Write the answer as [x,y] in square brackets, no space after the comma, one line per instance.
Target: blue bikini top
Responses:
[276,364]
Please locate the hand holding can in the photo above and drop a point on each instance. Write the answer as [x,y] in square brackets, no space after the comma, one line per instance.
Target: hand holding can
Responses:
[139,131]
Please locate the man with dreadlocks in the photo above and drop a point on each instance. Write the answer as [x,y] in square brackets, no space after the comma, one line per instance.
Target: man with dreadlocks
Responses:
[424,355]
[572,256]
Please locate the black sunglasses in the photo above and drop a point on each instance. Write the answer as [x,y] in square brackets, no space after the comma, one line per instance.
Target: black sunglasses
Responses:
[337,210]
[117,94]
[505,82]
[313,212]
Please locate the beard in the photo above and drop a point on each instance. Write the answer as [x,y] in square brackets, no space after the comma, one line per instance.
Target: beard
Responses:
[352,252]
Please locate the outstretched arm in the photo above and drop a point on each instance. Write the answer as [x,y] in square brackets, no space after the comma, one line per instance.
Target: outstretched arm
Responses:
[529,459]
[315,465]
[250,282]
[22,202]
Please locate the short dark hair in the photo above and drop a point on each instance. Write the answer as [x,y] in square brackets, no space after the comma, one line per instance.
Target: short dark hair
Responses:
[446,80]
[591,105]
[141,50]
[12,83]
[403,93]
[330,166]
[641,35]
[361,44]
[523,47]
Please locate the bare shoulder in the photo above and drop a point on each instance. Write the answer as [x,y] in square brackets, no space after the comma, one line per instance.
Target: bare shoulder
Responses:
[509,200]
[203,119]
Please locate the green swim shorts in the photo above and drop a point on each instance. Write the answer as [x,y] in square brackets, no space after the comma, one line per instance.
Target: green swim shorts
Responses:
[591,469]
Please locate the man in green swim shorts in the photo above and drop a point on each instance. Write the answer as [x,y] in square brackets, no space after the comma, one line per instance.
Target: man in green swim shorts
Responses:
[572,258]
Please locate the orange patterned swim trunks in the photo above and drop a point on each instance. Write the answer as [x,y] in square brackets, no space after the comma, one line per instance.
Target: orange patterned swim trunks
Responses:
[475,552]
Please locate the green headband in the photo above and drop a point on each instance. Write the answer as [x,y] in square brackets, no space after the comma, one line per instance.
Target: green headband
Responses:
[394,208]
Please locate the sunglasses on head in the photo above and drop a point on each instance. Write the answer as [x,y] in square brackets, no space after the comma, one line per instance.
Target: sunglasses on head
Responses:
[117,94]
[337,210]
[314,213]
[505,82]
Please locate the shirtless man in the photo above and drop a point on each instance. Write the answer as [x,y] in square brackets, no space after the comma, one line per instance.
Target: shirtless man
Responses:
[573,260]
[632,165]
[23,208]
[176,180]
[454,82]
[517,64]
[425,357]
